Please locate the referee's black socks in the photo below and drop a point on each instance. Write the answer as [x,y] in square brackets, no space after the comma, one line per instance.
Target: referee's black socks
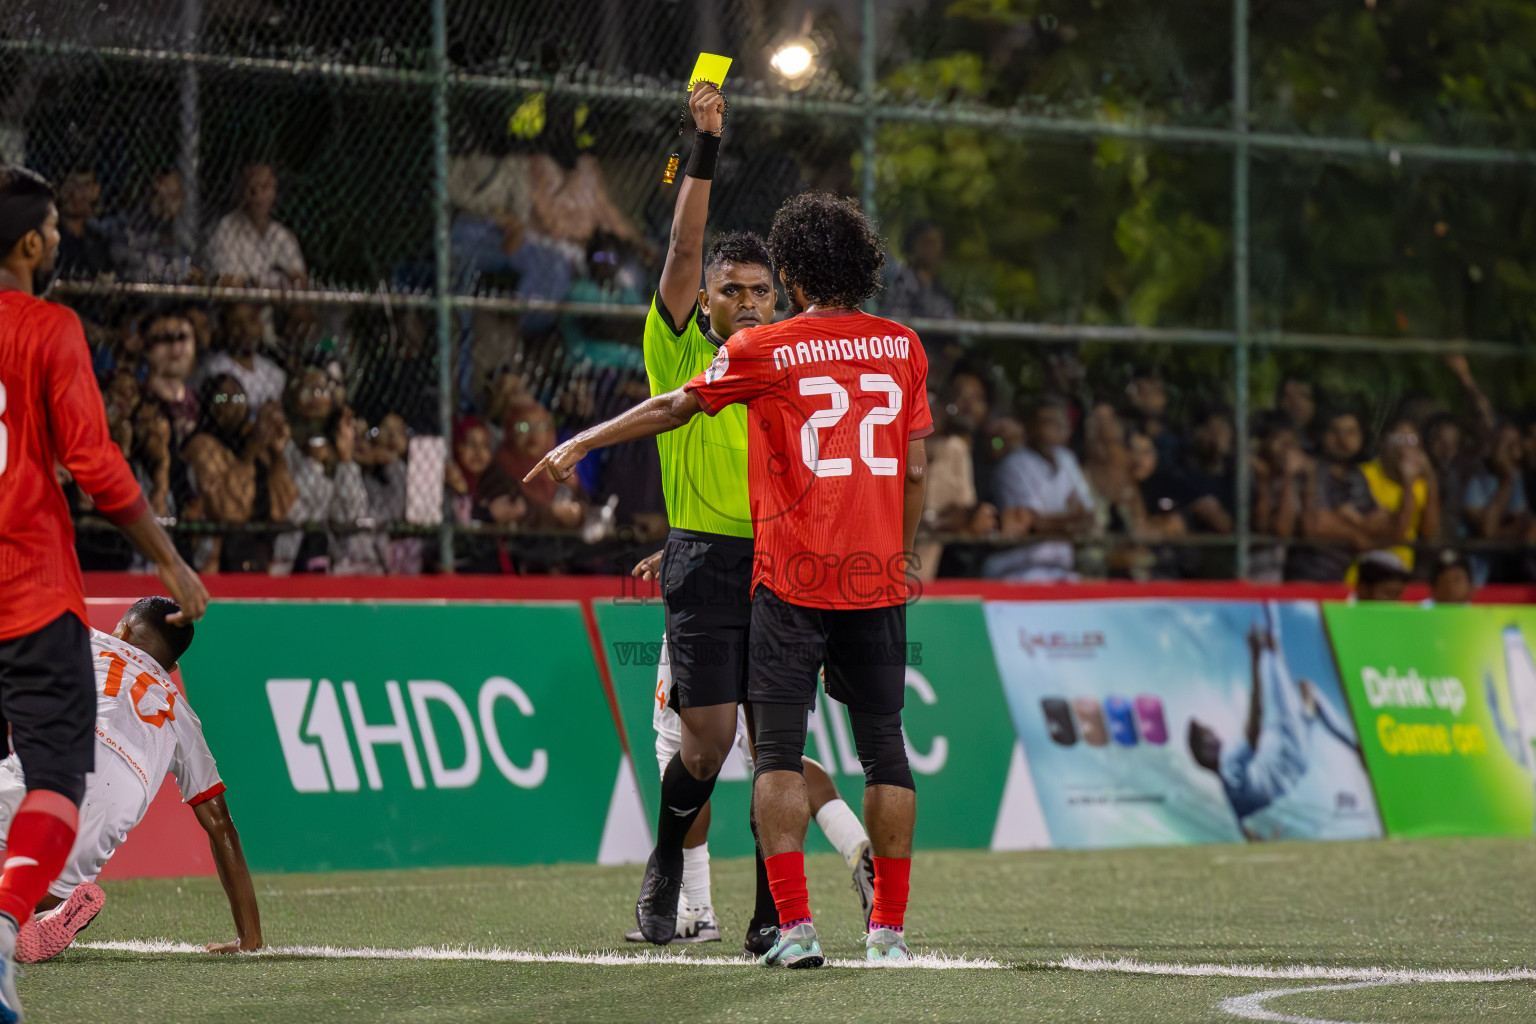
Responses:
[682,798]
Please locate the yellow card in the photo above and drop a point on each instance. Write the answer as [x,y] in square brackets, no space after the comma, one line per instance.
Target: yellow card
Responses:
[711,68]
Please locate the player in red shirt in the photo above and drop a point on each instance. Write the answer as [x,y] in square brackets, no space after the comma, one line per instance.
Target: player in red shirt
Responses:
[837,407]
[51,412]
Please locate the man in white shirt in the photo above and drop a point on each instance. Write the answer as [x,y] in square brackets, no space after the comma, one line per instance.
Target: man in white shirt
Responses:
[1040,489]
[260,378]
[144,729]
[250,249]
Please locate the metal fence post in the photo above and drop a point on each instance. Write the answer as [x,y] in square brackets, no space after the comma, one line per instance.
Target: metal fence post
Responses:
[441,257]
[1240,313]
[867,97]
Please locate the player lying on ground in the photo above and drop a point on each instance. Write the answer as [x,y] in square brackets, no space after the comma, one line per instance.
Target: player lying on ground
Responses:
[695,914]
[836,510]
[144,729]
[1275,750]
[51,414]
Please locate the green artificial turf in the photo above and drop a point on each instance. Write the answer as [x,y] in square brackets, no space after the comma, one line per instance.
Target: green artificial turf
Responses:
[1463,904]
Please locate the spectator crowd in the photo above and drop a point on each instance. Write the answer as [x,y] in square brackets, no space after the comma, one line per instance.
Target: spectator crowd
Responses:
[285,438]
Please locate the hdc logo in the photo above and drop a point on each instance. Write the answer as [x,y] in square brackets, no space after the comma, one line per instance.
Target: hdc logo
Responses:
[327,764]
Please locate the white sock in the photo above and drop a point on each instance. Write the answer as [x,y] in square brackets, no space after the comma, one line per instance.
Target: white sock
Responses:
[696,878]
[842,829]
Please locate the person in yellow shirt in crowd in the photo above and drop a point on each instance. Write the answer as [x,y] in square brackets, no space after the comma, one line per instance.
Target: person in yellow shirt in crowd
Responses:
[1403,482]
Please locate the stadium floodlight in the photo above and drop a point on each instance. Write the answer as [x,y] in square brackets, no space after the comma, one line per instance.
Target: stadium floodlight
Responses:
[795,60]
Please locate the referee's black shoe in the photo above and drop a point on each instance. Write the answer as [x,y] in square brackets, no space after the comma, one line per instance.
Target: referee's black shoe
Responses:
[656,910]
[761,937]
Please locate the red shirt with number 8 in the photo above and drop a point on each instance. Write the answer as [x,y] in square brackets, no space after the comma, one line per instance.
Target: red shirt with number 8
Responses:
[833,397]
[51,412]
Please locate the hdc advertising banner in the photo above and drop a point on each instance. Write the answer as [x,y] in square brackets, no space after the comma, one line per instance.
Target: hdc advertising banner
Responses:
[1445,701]
[959,736]
[391,735]
[1152,722]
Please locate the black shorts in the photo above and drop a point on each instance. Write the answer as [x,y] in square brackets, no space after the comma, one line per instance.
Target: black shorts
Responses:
[48,698]
[864,650]
[706,582]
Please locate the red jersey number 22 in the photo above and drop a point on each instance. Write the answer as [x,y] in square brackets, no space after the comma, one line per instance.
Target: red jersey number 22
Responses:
[826,419]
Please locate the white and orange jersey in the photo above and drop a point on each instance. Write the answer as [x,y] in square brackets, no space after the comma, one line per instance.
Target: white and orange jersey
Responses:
[143,717]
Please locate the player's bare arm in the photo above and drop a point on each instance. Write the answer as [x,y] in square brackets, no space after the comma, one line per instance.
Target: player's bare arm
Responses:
[234,875]
[679,288]
[651,417]
[912,493]
[180,579]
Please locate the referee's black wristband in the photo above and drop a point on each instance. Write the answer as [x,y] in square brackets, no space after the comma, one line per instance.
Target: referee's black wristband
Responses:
[706,150]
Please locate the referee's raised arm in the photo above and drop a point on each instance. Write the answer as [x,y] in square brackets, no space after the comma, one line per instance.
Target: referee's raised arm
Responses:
[679,289]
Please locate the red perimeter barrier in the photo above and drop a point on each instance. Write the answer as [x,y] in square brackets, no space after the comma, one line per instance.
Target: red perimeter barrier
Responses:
[169,843]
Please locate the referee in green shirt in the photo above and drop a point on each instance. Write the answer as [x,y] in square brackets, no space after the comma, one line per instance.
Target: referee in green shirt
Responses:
[706,568]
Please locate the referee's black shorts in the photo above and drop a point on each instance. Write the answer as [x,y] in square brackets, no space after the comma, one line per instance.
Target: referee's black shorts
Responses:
[706,583]
[864,650]
[48,698]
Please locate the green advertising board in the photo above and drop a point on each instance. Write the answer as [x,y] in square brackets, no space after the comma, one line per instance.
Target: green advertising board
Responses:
[359,735]
[959,734]
[1444,700]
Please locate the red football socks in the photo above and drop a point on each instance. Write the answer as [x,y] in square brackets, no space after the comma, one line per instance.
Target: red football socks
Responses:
[39,842]
[786,879]
[892,877]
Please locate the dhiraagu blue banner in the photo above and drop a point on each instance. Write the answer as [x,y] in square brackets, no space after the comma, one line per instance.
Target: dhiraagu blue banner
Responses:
[1153,722]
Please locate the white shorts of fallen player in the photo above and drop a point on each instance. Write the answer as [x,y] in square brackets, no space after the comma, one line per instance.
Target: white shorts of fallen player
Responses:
[669,728]
[115,801]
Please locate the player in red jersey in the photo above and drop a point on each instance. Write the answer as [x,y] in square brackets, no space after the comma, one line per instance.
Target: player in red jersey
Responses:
[837,408]
[51,412]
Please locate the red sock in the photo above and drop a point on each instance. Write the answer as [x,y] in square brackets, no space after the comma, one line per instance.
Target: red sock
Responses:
[39,842]
[786,880]
[892,875]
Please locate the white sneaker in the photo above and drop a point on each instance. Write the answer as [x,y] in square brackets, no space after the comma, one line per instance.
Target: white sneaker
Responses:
[10,1002]
[694,924]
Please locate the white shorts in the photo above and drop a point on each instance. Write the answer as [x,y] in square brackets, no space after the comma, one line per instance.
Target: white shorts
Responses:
[115,801]
[669,727]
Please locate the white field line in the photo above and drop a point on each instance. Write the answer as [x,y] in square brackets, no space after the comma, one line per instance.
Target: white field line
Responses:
[1251,1007]
[1298,972]
[927,961]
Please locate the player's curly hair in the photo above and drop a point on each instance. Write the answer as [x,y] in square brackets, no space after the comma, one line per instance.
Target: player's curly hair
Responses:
[742,248]
[826,245]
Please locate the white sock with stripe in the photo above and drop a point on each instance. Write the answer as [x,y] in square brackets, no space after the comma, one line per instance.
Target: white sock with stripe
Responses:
[696,878]
[843,829]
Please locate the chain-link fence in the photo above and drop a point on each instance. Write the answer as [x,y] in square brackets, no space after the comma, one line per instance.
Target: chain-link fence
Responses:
[345,267]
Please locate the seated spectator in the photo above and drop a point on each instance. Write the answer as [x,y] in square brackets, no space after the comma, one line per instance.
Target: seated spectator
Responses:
[1450,580]
[1294,399]
[1107,468]
[950,504]
[550,505]
[150,458]
[1148,397]
[483,494]
[328,488]
[311,403]
[85,253]
[1209,472]
[121,395]
[604,341]
[1381,576]
[1445,444]
[262,380]
[1280,471]
[912,288]
[151,244]
[1403,483]
[1338,508]
[968,408]
[248,249]
[382,451]
[170,352]
[241,474]
[1496,507]
[1041,490]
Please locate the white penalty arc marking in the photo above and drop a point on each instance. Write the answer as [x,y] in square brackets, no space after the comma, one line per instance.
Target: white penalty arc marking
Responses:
[1251,1007]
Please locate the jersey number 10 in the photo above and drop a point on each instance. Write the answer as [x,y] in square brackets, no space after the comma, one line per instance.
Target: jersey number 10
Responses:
[810,438]
[141,686]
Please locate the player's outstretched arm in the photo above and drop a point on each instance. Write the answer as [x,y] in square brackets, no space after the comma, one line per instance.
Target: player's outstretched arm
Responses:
[680,274]
[234,875]
[651,417]
[180,579]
